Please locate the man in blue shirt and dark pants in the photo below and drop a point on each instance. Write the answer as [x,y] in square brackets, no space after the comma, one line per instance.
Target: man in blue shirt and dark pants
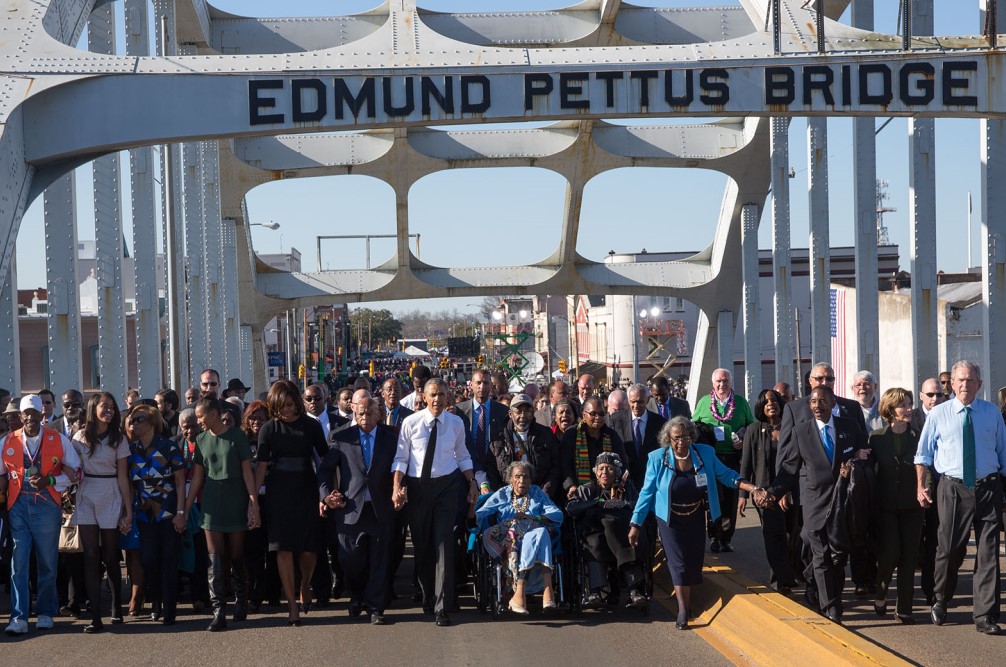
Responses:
[964,439]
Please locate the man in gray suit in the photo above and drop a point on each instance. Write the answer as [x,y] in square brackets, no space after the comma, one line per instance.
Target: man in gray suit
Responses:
[557,390]
[355,483]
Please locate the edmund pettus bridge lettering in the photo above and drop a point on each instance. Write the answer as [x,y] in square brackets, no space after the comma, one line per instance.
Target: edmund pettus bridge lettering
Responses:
[911,86]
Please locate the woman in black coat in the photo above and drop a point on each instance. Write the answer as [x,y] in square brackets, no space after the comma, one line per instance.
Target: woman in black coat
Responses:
[900,519]
[761,442]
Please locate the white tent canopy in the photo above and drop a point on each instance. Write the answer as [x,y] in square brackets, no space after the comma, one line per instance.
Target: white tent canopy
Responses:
[411,351]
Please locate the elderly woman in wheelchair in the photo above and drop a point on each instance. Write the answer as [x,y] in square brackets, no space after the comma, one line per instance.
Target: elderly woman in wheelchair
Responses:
[601,511]
[518,523]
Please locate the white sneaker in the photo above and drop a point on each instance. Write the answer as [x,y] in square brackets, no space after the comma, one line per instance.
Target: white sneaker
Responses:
[44,623]
[18,627]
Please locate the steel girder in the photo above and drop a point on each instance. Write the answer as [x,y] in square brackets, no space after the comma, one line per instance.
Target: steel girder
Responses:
[198,98]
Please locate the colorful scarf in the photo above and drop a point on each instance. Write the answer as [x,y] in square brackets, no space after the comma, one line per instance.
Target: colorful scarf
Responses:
[583,463]
[714,407]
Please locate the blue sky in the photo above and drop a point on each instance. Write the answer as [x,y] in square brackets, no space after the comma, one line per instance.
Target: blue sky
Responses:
[624,211]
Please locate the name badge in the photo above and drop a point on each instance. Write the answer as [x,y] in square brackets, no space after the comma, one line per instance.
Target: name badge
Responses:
[720,433]
[700,480]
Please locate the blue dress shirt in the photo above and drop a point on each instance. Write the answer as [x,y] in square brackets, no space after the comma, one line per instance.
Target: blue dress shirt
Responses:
[941,444]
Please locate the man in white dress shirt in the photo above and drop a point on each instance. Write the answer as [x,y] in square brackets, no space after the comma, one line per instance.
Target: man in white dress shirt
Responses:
[431,467]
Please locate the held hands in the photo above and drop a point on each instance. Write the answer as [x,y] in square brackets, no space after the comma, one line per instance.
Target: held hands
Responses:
[399,497]
[762,498]
[126,523]
[179,522]
[254,521]
[923,497]
[335,500]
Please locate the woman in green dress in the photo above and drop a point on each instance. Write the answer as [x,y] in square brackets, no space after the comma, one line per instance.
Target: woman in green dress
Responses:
[222,472]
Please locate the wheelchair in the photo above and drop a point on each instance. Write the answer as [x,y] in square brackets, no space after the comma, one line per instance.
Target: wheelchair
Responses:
[493,583]
[611,591]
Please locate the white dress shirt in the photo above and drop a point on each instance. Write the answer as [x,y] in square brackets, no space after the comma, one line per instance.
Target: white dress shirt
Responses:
[326,425]
[451,453]
[409,401]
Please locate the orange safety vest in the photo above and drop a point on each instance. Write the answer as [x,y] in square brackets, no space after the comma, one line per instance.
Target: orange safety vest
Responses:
[50,461]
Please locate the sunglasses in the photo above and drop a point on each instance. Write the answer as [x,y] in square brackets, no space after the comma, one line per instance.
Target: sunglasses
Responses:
[312,399]
[933,394]
[138,420]
[70,404]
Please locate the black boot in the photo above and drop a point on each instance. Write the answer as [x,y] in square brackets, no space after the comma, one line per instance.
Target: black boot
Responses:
[239,579]
[217,599]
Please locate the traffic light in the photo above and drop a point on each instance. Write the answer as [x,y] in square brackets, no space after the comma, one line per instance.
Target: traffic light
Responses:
[371,369]
[301,371]
[562,365]
[481,359]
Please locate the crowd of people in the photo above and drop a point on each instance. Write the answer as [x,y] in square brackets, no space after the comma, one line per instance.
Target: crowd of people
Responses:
[306,495]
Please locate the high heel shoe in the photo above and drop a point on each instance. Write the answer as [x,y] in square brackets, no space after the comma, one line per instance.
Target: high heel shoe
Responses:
[517,609]
[305,607]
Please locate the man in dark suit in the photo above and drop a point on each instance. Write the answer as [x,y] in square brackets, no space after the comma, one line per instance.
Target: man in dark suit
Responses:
[557,390]
[931,394]
[817,453]
[355,482]
[523,439]
[663,403]
[484,420]
[798,411]
[638,427]
[394,414]
[394,411]
[73,409]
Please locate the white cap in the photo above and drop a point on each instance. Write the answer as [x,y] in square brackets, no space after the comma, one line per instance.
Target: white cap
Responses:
[31,402]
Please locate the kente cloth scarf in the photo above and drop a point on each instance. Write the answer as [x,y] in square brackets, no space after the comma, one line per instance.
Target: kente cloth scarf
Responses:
[583,463]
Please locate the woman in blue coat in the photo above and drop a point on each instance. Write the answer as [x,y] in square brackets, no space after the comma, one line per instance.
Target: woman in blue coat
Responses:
[676,489]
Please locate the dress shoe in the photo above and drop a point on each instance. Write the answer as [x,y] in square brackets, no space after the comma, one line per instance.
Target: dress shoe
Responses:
[726,547]
[443,620]
[637,600]
[681,625]
[987,627]
[861,591]
[880,607]
[514,607]
[906,619]
[93,628]
[377,619]
[715,546]
[834,615]
[355,609]
[116,620]
[592,601]
[938,613]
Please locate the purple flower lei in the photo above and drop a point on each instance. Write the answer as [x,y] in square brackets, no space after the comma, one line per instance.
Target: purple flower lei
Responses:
[714,403]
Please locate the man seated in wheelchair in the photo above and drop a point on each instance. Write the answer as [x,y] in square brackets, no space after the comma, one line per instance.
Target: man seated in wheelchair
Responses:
[518,523]
[601,510]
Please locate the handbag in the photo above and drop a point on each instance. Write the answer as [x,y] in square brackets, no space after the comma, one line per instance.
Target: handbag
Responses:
[69,537]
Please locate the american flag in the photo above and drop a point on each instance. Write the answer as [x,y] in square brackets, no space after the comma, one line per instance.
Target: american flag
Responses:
[838,340]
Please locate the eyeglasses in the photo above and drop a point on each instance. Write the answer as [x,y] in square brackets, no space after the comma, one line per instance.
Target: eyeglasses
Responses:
[595,413]
[823,378]
[933,394]
[681,439]
[311,399]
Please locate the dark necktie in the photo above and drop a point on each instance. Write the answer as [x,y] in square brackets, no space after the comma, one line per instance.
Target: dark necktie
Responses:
[480,431]
[969,449]
[637,435]
[431,449]
[367,445]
